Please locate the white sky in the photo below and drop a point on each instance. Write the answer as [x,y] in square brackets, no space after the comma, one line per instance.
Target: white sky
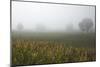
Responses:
[52,16]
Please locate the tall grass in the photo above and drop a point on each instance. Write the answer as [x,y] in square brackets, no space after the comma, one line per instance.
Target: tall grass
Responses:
[27,51]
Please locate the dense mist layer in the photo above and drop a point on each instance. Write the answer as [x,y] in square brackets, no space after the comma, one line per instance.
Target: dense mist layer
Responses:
[49,17]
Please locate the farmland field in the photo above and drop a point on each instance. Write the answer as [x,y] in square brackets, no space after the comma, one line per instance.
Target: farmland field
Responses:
[47,48]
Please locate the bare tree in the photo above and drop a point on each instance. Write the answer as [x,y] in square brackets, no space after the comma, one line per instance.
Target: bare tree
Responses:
[86,24]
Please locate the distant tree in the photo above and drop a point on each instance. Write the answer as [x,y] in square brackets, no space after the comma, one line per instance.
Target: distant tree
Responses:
[86,24]
[70,27]
[40,28]
[16,0]
[20,27]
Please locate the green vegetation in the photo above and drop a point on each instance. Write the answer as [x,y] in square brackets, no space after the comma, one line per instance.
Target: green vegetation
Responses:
[47,48]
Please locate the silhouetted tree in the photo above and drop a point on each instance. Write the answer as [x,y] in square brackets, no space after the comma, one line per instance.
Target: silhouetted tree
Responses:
[20,27]
[86,24]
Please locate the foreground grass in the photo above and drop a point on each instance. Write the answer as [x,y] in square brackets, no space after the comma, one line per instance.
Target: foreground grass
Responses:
[25,51]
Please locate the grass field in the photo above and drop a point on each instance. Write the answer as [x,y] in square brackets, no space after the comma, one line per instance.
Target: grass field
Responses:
[48,48]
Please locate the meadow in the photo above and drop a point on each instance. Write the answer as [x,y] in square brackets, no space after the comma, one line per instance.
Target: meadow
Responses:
[51,48]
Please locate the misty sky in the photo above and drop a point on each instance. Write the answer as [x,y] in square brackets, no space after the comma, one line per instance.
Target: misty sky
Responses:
[51,16]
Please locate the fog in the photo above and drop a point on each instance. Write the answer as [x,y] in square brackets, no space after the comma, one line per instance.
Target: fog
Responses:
[50,17]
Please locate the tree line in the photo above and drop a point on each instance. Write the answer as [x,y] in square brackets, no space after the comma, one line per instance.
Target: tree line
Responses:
[85,25]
